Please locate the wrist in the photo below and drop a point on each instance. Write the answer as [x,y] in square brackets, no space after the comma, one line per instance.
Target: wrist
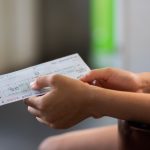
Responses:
[97,99]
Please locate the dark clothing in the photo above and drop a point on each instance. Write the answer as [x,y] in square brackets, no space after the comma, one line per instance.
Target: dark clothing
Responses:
[134,136]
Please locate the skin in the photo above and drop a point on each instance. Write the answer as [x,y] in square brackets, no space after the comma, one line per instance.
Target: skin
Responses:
[91,139]
[103,92]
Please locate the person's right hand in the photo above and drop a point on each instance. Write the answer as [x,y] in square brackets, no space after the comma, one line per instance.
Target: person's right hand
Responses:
[115,79]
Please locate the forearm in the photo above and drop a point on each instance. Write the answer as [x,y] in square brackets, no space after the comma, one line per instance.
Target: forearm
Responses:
[122,105]
[145,81]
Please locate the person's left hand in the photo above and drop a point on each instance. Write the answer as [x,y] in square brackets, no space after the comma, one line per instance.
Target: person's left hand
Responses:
[65,105]
[115,79]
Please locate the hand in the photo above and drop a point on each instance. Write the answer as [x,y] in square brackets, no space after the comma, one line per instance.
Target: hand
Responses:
[65,105]
[115,79]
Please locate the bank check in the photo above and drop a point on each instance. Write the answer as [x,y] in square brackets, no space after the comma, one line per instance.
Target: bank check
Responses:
[15,86]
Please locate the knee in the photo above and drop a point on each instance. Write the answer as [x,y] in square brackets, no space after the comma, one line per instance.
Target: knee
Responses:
[52,143]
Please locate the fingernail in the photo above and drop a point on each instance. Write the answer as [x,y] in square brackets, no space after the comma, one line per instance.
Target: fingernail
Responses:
[33,84]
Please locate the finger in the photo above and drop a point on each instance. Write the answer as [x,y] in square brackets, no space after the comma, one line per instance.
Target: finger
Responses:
[46,81]
[41,120]
[44,122]
[34,111]
[97,83]
[97,74]
[41,82]
[33,102]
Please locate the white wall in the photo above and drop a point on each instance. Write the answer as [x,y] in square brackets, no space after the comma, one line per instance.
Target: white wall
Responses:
[137,35]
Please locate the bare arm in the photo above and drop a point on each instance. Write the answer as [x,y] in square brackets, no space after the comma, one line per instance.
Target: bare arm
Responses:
[122,105]
[117,93]
[145,78]
[131,104]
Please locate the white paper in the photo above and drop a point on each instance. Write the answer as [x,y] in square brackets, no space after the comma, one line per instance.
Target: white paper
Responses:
[16,86]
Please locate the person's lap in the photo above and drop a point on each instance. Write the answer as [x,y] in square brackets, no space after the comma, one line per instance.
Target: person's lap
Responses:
[104,138]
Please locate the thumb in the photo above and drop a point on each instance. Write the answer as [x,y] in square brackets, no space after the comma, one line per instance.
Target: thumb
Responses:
[45,81]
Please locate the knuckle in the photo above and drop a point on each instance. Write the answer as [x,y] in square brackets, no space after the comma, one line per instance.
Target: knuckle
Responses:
[109,69]
[29,101]
[90,73]
[54,78]
[49,119]
[38,80]
[41,106]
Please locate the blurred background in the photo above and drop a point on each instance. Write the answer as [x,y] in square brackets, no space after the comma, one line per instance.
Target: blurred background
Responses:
[104,32]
